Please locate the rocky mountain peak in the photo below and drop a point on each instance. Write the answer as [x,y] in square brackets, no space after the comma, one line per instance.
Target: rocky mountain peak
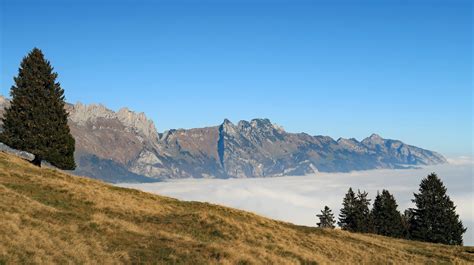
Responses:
[375,136]
[255,125]
[138,121]
[261,123]
[350,141]
[264,124]
[243,124]
[227,121]
[82,114]
[228,127]
[373,139]
[351,144]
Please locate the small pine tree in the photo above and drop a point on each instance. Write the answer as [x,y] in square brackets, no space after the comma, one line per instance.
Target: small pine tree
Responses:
[347,213]
[326,218]
[434,218]
[36,120]
[386,218]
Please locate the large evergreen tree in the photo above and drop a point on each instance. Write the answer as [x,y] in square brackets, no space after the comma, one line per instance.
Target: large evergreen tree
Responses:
[326,218]
[36,120]
[434,219]
[386,218]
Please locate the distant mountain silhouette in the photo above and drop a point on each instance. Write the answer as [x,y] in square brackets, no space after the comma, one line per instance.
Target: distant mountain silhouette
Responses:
[126,145]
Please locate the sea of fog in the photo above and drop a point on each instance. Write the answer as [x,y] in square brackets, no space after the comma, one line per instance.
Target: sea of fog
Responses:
[298,199]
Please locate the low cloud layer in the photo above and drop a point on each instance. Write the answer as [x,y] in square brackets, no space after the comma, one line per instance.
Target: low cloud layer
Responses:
[298,199]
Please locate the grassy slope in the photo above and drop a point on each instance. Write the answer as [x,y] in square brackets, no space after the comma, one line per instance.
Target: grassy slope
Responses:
[50,217]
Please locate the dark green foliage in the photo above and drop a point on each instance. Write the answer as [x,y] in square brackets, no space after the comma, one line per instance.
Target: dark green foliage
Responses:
[326,218]
[434,218]
[347,213]
[386,219]
[355,213]
[36,121]
[406,220]
[363,220]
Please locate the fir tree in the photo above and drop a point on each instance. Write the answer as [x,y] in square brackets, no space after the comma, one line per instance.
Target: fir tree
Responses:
[347,213]
[326,218]
[386,218]
[355,214]
[434,218]
[363,222]
[36,120]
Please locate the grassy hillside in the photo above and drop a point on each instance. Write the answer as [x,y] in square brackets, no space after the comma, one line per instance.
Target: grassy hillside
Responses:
[50,217]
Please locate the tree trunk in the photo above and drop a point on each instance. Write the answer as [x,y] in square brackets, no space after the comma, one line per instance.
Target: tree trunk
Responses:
[36,161]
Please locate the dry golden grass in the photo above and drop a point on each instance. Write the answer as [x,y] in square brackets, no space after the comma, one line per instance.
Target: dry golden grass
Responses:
[47,216]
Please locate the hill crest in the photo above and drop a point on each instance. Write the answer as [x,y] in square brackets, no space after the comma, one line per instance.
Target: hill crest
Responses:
[52,217]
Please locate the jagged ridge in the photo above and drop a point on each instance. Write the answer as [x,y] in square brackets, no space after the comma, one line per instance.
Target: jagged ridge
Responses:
[256,148]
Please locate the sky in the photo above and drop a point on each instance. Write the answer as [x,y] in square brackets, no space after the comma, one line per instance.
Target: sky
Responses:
[402,69]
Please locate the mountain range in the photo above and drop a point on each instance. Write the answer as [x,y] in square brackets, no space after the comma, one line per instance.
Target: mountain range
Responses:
[124,146]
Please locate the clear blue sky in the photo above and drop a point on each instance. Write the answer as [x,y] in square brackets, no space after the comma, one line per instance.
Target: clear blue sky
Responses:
[402,69]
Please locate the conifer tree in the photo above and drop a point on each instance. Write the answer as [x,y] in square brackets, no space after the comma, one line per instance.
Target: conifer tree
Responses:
[434,218]
[355,214]
[36,120]
[326,218]
[386,218]
[407,217]
[347,213]
[363,222]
